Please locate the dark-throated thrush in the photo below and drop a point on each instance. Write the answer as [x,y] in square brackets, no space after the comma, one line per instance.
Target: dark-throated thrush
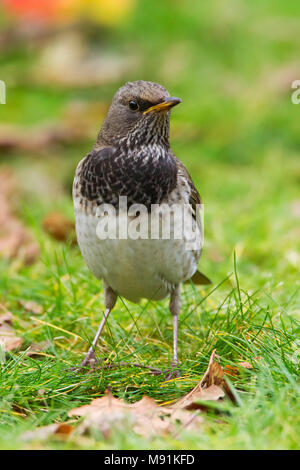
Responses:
[132,158]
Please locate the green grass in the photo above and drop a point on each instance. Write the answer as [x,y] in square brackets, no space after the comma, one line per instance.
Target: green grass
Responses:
[241,327]
[237,132]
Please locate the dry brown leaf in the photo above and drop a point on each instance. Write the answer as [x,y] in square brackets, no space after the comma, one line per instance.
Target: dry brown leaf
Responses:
[35,349]
[211,387]
[231,370]
[214,374]
[145,416]
[246,365]
[15,240]
[6,318]
[64,429]
[68,61]
[31,306]
[80,121]
[189,402]
[61,430]
[59,227]
[38,139]
[235,370]
[9,341]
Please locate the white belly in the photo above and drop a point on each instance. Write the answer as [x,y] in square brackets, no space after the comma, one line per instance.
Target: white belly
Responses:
[135,268]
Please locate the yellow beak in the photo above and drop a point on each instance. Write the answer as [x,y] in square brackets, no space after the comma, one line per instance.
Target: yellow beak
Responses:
[164,106]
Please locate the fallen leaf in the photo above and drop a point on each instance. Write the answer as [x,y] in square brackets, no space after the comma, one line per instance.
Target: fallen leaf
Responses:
[9,341]
[246,365]
[257,358]
[35,349]
[6,318]
[211,387]
[214,374]
[62,430]
[39,139]
[235,370]
[231,370]
[145,417]
[59,227]
[80,121]
[15,240]
[212,393]
[31,306]
[68,61]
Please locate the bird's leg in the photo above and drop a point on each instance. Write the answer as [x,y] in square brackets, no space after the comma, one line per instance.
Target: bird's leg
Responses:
[175,306]
[109,300]
[175,340]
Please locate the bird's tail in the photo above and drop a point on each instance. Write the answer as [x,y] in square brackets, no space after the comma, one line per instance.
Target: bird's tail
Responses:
[199,278]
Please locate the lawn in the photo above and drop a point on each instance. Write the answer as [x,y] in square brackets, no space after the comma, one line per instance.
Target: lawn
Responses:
[237,132]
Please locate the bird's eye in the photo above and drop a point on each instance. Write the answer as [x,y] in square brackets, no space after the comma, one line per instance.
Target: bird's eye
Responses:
[133,105]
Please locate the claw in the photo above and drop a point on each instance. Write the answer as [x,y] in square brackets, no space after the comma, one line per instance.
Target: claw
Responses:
[90,361]
[173,372]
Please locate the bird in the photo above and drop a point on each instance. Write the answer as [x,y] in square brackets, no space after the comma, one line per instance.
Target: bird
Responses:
[132,159]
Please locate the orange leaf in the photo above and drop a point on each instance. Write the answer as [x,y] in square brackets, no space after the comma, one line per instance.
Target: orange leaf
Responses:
[61,430]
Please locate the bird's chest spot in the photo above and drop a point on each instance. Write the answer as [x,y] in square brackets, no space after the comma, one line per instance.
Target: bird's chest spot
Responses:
[145,175]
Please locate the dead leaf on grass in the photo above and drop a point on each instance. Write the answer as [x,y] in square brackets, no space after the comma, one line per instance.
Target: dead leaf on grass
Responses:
[35,349]
[31,306]
[38,139]
[236,370]
[145,417]
[246,365]
[211,387]
[9,341]
[61,430]
[80,121]
[59,227]
[6,318]
[68,61]
[231,370]
[15,240]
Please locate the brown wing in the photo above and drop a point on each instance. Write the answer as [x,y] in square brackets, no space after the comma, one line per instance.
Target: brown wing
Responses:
[194,200]
[194,197]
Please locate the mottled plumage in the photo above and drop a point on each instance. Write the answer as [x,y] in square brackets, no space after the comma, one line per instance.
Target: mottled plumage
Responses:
[132,158]
[113,171]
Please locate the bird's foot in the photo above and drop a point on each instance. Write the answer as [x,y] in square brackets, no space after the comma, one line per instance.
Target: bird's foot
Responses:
[89,362]
[153,370]
[173,372]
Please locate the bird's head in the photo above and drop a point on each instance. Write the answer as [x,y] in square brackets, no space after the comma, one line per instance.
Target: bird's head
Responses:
[139,114]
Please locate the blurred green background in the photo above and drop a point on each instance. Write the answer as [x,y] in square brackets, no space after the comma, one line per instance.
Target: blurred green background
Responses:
[232,62]
[237,130]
